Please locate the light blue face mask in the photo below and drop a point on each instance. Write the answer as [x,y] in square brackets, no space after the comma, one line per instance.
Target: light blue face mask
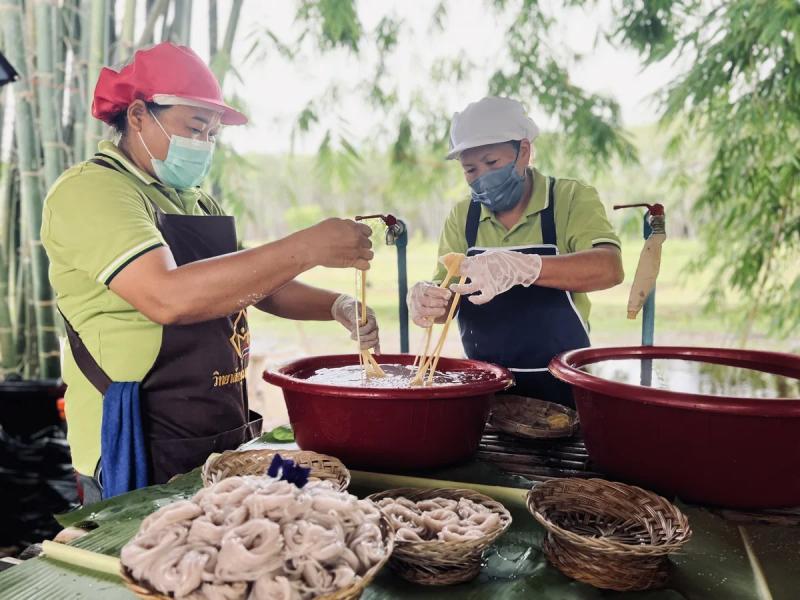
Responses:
[187,163]
[501,189]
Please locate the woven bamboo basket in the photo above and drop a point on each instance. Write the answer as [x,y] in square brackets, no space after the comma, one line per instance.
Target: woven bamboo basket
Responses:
[609,535]
[141,590]
[437,562]
[531,418]
[256,462]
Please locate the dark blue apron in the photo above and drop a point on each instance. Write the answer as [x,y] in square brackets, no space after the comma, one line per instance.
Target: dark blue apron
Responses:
[524,327]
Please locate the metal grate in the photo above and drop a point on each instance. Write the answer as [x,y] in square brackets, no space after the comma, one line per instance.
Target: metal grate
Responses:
[547,459]
[536,460]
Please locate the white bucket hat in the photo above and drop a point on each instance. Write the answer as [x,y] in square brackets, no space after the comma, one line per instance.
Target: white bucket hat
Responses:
[490,120]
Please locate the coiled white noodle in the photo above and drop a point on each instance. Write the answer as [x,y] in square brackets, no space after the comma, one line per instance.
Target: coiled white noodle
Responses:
[257,538]
[441,519]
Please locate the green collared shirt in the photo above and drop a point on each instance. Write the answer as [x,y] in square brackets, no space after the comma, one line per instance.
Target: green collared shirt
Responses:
[96,221]
[581,224]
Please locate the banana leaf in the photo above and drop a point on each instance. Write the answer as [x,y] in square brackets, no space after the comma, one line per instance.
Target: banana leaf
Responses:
[714,566]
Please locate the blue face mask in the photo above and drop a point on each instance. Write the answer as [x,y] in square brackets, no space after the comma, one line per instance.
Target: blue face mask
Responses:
[501,189]
[187,163]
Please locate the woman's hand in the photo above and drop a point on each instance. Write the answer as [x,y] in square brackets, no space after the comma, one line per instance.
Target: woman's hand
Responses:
[496,271]
[347,311]
[427,303]
[338,243]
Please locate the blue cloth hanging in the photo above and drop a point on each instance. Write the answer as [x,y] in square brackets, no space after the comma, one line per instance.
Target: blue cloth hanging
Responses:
[122,448]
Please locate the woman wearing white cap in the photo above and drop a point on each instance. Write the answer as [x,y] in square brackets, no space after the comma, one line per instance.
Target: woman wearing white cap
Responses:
[534,244]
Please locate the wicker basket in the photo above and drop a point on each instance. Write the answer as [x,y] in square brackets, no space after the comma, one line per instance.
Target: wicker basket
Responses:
[437,562]
[349,593]
[256,462]
[607,534]
[531,418]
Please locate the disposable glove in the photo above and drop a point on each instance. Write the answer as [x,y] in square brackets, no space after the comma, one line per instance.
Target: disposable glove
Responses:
[496,271]
[347,311]
[427,302]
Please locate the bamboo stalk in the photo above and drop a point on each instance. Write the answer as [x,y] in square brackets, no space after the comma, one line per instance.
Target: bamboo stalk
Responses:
[128,29]
[212,29]
[59,27]
[230,29]
[384,481]
[50,118]
[165,25]
[20,306]
[182,23]
[8,352]
[159,8]
[221,65]
[79,88]
[30,188]
[13,239]
[31,367]
[110,53]
[96,38]
[78,557]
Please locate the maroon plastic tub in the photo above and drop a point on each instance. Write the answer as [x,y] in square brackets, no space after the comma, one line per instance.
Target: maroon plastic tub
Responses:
[739,452]
[397,429]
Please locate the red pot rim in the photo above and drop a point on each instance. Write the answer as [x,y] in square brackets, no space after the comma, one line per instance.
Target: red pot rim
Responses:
[565,367]
[282,377]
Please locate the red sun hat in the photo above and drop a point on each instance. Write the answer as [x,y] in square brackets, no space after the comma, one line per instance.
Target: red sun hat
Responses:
[165,74]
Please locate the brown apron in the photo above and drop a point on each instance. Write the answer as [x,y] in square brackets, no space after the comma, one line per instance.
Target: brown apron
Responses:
[194,398]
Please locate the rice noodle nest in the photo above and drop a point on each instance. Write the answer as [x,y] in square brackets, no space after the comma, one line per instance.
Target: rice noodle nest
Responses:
[257,538]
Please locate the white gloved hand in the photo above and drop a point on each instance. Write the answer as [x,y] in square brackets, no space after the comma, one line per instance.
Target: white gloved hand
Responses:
[427,302]
[495,272]
[347,311]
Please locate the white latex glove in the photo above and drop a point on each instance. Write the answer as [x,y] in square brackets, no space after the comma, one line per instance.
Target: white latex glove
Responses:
[495,272]
[427,302]
[347,311]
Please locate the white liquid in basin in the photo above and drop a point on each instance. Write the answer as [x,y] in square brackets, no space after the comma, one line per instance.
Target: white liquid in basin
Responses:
[696,377]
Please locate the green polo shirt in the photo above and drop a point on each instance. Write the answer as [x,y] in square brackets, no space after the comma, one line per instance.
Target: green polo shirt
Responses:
[581,223]
[95,222]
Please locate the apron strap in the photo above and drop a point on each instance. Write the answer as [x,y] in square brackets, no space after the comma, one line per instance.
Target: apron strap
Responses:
[84,359]
[103,160]
[473,220]
[548,214]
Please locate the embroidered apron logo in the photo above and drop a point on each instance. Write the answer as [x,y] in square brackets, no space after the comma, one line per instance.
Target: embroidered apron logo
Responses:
[221,379]
[240,340]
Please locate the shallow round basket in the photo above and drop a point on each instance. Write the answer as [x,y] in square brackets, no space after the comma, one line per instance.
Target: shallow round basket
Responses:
[349,593]
[532,418]
[256,462]
[436,562]
[609,535]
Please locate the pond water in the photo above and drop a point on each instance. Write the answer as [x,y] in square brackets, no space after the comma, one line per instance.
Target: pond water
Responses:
[397,376]
[696,377]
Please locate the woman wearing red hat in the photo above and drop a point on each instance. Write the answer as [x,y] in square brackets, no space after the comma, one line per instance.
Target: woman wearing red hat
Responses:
[153,290]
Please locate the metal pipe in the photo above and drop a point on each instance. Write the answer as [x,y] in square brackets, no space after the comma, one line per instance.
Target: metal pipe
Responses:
[649,308]
[401,241]
[397,235]
[648,319]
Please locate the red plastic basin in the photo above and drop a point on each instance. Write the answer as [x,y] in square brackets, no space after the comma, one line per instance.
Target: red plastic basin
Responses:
[398,429]
[735,452]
